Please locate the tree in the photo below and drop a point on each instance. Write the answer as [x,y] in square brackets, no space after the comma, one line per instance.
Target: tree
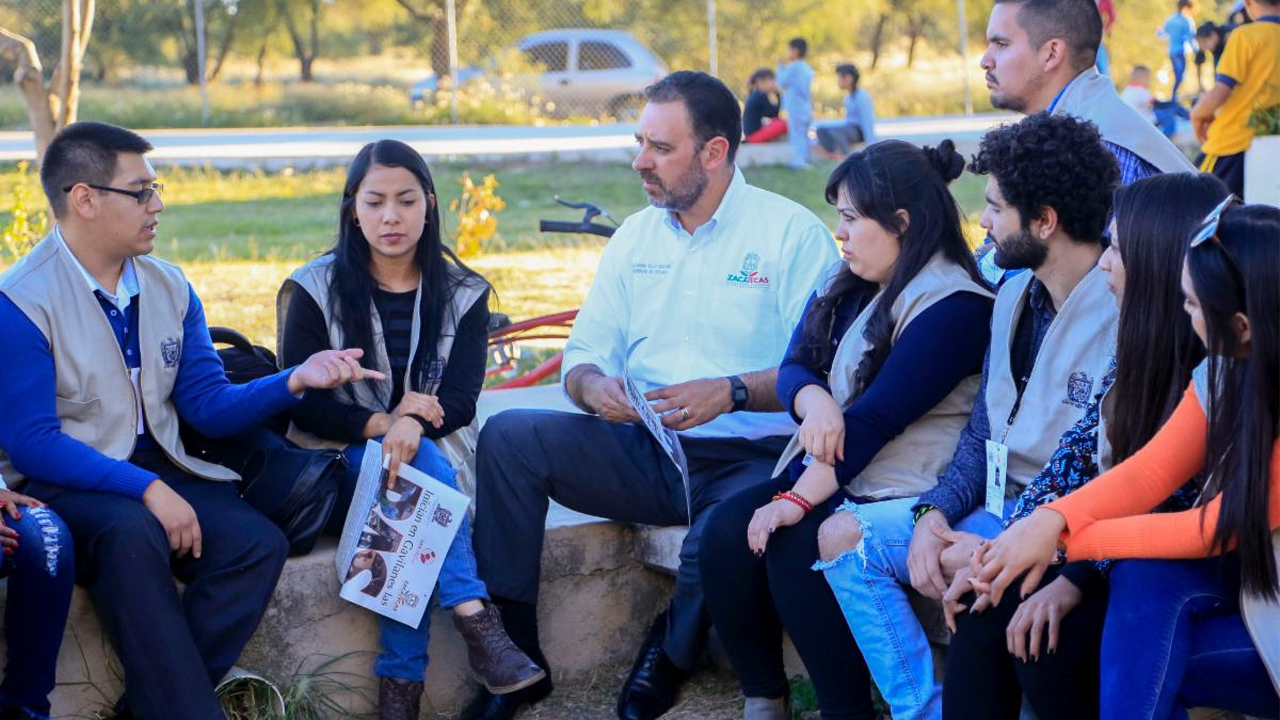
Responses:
[53,105]
[305,49]
[432,13]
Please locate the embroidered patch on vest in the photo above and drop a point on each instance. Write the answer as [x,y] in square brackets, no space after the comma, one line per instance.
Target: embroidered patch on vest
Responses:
[171,351]
[1079,386]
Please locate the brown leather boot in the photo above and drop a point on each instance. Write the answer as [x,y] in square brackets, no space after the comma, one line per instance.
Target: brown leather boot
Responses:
[399,699]
[500,666]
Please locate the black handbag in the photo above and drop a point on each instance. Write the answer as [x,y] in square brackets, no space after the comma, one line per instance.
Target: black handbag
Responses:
[295,487]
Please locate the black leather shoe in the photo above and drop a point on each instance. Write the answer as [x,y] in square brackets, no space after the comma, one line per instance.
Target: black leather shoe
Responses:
[654,682]
[488,706]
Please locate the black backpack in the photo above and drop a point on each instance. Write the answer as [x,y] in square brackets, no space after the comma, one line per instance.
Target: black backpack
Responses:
[295,487]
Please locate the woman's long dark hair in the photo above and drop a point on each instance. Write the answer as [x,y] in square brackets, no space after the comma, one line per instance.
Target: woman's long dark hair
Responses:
[882,179]
[1240,273]
[353,285]
[1156,349]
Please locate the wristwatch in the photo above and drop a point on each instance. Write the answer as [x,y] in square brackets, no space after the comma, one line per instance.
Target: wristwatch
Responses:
[737,392]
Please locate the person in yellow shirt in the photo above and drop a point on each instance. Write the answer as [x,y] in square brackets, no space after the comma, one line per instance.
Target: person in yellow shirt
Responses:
[1248,79]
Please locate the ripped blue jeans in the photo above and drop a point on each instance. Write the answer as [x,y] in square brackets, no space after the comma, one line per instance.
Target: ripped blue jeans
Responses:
[872,582]
[41,573]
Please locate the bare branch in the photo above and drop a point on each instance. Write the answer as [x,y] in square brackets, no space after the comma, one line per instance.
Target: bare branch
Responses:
[30,80]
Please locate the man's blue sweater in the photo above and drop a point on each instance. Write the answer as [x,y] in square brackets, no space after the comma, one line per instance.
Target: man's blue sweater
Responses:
[31,433]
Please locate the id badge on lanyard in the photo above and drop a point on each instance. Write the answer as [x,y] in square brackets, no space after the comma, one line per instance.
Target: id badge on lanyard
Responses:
[997,476]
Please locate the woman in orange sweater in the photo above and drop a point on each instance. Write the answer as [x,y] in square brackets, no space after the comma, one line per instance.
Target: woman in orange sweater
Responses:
[1180,632]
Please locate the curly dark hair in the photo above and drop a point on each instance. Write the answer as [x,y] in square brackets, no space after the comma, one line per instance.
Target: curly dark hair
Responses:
[1055,161]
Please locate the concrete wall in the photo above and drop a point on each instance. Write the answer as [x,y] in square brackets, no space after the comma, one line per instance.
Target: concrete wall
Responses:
[596,603]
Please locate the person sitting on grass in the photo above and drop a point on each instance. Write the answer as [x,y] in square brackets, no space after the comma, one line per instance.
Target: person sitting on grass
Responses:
[1194,605]
[392,288]
[836,139]
[106,348]
[760,121]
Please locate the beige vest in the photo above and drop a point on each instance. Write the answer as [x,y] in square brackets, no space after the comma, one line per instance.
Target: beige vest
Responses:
[1072,361]
[1092,97]
[95,398]
[458,447]
[910,463]
[1261,615]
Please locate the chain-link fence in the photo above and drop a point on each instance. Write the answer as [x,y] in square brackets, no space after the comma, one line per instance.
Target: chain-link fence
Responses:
[361,62]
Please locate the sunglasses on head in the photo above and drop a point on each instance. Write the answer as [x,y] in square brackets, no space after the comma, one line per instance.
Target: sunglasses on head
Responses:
[1209,226]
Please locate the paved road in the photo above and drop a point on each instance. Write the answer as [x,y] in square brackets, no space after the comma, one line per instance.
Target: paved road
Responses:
[324,146]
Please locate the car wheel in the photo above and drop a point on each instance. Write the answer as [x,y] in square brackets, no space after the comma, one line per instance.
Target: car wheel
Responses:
[626,108]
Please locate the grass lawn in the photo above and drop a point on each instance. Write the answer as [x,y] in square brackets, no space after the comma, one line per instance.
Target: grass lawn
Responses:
[238,235]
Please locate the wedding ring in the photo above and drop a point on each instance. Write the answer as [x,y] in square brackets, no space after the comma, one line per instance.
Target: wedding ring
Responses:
[684,413]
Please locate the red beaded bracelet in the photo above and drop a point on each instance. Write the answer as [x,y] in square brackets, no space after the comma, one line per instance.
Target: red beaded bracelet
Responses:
[795,498]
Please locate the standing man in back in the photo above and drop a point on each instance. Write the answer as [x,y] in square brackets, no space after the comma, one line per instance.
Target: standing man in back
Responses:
[1040,56]
[694,297]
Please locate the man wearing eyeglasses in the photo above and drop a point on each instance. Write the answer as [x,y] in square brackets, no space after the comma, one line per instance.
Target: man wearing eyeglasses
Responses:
[105,348]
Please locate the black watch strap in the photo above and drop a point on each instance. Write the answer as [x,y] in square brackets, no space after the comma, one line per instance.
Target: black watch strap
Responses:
[738,392]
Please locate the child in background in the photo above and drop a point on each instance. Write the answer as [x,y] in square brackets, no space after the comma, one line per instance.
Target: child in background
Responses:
[1248,79]
[1180,31]
[1137,94]
[836,139]
[795,79]
[760,122]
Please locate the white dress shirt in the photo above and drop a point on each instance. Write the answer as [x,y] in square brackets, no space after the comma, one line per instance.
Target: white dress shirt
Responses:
[720,301]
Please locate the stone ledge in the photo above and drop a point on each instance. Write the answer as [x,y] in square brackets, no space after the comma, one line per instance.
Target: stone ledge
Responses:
[595,605]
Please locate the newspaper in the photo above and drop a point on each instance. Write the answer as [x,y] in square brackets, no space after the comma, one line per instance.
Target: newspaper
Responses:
[667,438]
[396,538]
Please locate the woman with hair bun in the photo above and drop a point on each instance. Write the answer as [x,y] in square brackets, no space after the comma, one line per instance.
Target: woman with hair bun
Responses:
[881,374]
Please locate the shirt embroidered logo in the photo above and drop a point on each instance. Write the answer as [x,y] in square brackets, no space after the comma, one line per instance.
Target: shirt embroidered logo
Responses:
[170,351]
[749,276]
[1079,386]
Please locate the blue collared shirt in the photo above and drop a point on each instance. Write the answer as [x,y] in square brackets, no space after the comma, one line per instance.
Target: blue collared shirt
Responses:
[718,301]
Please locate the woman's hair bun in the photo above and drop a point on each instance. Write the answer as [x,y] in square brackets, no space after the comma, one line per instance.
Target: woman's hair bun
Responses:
[945,160]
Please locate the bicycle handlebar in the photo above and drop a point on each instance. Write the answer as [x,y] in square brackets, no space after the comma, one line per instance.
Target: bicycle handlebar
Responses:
[576,227]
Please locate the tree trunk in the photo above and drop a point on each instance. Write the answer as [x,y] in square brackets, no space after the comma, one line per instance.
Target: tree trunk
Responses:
[440,48]
[915,28]
[434,16]
[225,48]
[304,55]
[878,39]
[51,106]
[262,63]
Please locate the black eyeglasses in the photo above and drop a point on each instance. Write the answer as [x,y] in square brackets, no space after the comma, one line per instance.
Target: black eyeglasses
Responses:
[143,196]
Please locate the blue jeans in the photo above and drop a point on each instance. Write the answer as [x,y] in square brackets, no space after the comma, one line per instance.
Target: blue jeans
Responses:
[871,583]
[1179,61]
[41,574]
[1174,639]
[404,649]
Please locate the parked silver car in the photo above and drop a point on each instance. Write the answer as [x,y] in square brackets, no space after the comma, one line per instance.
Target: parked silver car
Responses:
[583,71]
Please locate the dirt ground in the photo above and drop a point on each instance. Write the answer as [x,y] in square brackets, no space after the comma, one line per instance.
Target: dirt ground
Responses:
[710,695]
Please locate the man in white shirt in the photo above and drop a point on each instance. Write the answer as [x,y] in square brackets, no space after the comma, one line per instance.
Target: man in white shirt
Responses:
[696,297]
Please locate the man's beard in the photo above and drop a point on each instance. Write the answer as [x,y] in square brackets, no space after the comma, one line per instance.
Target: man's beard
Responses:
[681,194]
[1020,251]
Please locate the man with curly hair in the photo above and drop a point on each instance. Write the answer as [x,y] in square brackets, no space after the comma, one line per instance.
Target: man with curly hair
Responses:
[1048,193]
[1041,55]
